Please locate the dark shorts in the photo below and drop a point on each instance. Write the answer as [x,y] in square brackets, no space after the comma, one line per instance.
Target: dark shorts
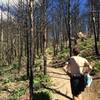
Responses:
[77,85]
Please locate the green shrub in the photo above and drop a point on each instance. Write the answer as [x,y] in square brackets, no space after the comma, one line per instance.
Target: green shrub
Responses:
[15,66]
[43,95]
[18,92]
[39,80]
[86,52]
[6,81]
[97,67]
[91,58]
[37,83]
[62,55]
[49,50]
[38,62]
[86,44]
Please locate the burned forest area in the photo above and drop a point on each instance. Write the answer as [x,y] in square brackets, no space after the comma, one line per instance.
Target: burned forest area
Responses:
[37,38]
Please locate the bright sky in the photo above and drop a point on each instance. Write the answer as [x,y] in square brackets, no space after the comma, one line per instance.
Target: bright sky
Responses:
[15,1]
[10,1]
[4,13]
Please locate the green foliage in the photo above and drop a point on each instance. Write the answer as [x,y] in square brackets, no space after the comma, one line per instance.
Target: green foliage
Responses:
[21,78]
[97,67]
[2,69]
[43,95]
[38,61]
[45,79]
[7,80]
[37,83]
[86,44]
[49,50]
[62,55]
[91,58]
[15,66]
[1,72]
[86,47]
[39,80]
[86,52]
[18,92]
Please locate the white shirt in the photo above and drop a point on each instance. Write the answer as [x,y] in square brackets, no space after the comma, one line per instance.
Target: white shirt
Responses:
[78,65]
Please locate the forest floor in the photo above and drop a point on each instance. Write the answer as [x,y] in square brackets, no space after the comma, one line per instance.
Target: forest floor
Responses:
[61,85]
[10,87]
[13,84]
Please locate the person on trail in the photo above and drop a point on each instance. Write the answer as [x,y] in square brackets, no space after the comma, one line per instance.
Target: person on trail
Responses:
[77,67]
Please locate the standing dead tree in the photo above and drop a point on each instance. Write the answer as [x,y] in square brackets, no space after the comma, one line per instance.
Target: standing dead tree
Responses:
[68,23]
[30,47]
[94,25]
[44,32]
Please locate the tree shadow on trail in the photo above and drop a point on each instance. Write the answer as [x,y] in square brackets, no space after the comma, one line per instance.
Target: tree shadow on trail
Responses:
[59,76]
[41,96]
[58,92]
[56,73]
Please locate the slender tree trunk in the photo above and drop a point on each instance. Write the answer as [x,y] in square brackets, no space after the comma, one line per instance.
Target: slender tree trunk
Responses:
[2,36]
[45,56]
[98,30]
[94,31]
[95,38]
[69,33]
[30,48]
[20,49]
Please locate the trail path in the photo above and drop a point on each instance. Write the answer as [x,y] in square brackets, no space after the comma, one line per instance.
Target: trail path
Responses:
[61,85]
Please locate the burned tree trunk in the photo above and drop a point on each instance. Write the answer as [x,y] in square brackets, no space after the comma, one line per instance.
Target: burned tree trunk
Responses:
[94,30]
[68,22]
[30,62]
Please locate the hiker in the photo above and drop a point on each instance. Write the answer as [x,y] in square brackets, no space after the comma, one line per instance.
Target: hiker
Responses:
[77,67]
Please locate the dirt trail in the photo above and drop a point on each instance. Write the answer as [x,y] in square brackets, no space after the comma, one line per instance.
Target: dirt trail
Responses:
[61,86]
[60,82]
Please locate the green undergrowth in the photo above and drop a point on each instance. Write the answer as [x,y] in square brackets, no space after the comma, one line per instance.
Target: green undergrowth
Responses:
[63,54]
[41,80]
[97,67]
[43,95]
[17,93]
[49,50]
[86,44]
[38,61]
[91,58]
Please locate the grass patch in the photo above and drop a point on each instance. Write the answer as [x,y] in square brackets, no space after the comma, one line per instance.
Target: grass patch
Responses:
[7,80]
[17,93]
[38,61]
[43,95]
[63,54]
[39,80]
[97,67]
[87,44]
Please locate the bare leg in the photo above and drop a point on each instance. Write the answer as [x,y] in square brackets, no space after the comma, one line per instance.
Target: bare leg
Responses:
[79,97]
[75,98]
